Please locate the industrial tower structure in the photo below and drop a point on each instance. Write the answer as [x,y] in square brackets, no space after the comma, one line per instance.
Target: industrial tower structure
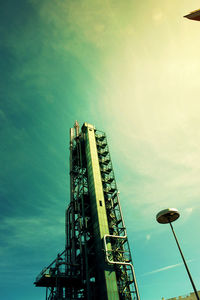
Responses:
[96,263]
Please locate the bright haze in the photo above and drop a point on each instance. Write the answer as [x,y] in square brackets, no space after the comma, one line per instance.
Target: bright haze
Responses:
[131,68]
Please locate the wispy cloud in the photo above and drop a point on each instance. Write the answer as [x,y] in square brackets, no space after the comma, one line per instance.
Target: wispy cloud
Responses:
[24,237]
[165,268]
[22,230]
[189,210]
[162,269]
[148,237]
[157,16]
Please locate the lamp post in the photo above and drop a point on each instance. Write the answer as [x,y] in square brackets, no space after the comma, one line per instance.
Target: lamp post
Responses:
[170,215]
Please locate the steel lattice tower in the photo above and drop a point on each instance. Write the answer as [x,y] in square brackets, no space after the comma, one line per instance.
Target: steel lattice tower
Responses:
[96,263]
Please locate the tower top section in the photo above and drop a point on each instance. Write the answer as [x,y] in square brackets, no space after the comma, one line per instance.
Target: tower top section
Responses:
[87,125]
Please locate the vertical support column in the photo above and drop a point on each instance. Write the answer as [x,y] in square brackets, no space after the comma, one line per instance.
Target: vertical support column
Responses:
[106,276]
[73,251]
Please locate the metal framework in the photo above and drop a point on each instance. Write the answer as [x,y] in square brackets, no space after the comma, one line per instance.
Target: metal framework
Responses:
[96,263]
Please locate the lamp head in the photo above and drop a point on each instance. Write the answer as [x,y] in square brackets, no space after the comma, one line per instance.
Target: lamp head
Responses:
[168,215]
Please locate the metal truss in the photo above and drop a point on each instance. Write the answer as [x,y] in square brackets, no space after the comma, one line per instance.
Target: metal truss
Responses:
[79,245]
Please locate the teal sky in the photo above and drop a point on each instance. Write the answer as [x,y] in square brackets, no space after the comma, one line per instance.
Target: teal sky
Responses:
[131,68]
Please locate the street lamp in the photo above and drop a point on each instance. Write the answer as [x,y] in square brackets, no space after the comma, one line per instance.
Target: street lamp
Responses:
[170,215]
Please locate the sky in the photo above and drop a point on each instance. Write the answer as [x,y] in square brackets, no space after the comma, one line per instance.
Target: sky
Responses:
[131,68]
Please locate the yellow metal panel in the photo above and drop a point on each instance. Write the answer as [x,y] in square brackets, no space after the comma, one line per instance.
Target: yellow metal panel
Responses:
[106,273]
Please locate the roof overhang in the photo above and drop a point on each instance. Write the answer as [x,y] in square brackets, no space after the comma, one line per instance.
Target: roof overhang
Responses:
[194,15]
